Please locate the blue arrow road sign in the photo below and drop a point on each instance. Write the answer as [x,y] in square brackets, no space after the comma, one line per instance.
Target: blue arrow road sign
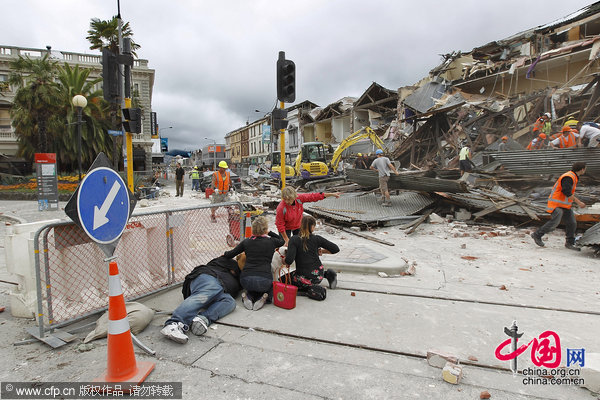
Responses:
[103,205]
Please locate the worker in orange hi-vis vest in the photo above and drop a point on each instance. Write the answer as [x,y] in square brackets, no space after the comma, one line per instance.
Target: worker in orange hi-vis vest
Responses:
[543,124]
[568,138]
[221,182]
[538,143]
[559,205]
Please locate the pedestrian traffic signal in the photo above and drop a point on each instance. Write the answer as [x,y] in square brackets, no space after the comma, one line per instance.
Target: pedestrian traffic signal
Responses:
[279,119]
[110,76]
[286,79]
[133,120]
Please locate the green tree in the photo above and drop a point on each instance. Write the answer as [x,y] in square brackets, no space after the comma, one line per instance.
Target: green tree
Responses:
[95,117]
[35,110]
[106,34]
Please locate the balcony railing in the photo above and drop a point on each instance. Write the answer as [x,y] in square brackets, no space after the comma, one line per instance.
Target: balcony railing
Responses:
[7,134]
[78,58]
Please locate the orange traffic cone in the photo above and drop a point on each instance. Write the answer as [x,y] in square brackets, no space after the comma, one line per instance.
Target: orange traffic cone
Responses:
[121,365]
[248,231]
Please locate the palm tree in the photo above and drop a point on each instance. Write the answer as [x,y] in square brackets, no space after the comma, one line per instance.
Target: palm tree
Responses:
[34,110]
[95,118]
[106,34]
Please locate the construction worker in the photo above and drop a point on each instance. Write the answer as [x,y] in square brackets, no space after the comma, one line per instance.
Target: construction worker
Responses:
[503,146]
[589,135]
[543,125]
[383,166]
[566,140]
[360,162]
[559,205]
[538,143]
[195,175]
[221,183]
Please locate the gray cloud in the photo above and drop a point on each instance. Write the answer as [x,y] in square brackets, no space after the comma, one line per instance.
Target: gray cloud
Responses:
[215,61]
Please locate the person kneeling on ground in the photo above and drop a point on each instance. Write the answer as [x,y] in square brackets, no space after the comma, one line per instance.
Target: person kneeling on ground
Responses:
[305,249]
[211,287]
[256,278]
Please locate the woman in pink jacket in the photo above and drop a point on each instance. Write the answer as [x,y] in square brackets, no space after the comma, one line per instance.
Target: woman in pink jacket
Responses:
[290,210]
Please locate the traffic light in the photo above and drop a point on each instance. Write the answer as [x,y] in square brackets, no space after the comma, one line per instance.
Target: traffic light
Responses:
[286,79]
[110,76]
[279,120]
[133,120]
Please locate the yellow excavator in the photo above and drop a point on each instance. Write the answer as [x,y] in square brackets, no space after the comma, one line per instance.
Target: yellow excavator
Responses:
[276,166]
[313,167]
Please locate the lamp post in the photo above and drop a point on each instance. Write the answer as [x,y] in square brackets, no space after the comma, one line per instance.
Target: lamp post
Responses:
[162,129]
[214,153]
[79,102]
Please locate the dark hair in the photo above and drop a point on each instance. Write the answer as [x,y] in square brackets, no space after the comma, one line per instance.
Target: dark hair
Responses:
[308,222]
[578,166]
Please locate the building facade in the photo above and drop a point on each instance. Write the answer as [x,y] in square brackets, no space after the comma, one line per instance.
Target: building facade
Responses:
[142,81]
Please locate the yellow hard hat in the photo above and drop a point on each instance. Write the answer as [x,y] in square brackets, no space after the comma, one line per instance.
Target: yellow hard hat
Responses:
[360,154]
[572,122]
[222,164]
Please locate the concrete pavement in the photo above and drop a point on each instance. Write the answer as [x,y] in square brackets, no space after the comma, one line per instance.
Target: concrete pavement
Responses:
[370,345]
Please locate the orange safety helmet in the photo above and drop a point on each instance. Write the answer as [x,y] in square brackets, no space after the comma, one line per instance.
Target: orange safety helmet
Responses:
[542,136]
[566,128]
[504,137]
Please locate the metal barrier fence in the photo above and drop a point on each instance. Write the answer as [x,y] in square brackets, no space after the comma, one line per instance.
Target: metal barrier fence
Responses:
[156,251]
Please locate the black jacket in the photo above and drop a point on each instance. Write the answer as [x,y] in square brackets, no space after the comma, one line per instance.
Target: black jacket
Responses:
[307,261]
[224,269]
[179,172]
[259,253]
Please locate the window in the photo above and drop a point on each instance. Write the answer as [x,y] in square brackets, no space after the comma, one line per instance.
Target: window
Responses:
[136,87]
[293,135]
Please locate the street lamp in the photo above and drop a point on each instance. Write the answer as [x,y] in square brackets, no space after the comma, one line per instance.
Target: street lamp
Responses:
[79,102]
[162,129]
[214,153]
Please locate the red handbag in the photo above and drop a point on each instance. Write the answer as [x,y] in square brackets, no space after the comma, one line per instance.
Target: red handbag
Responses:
[284,294]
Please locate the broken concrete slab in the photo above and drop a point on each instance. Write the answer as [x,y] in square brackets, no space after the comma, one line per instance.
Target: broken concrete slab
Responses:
[590,373]
[452,373]
[439,359]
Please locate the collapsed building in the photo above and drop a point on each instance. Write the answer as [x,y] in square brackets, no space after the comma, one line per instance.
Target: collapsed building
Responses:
[475,98]
[500,89]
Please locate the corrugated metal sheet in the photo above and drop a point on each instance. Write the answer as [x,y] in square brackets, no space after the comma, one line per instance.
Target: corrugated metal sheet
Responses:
[370,179]
[368,208]
[591,237]
[546,162]
[423,98]
[478,200]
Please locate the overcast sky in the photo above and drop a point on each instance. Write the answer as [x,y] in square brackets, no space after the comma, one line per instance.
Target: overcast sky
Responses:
[215,60]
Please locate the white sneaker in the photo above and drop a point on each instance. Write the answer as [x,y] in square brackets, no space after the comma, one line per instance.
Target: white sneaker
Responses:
[199,325]
[174,331]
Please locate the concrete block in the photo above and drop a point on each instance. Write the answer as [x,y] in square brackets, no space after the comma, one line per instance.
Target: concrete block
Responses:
[462,215]
[438,359]
[591,372]
[452,373]
[436,219]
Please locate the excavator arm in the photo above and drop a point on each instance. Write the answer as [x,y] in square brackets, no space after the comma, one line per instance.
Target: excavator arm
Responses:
[363,133]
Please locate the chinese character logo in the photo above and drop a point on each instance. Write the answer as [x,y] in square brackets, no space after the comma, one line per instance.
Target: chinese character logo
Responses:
[545,349]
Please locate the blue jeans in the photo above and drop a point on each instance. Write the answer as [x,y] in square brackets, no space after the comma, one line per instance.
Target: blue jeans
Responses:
[195,184]
[559,214]
[206,294]
[256,286]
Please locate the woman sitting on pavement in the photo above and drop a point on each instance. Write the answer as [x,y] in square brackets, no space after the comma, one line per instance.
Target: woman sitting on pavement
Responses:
[305,249]
[256,278]
[290,209]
